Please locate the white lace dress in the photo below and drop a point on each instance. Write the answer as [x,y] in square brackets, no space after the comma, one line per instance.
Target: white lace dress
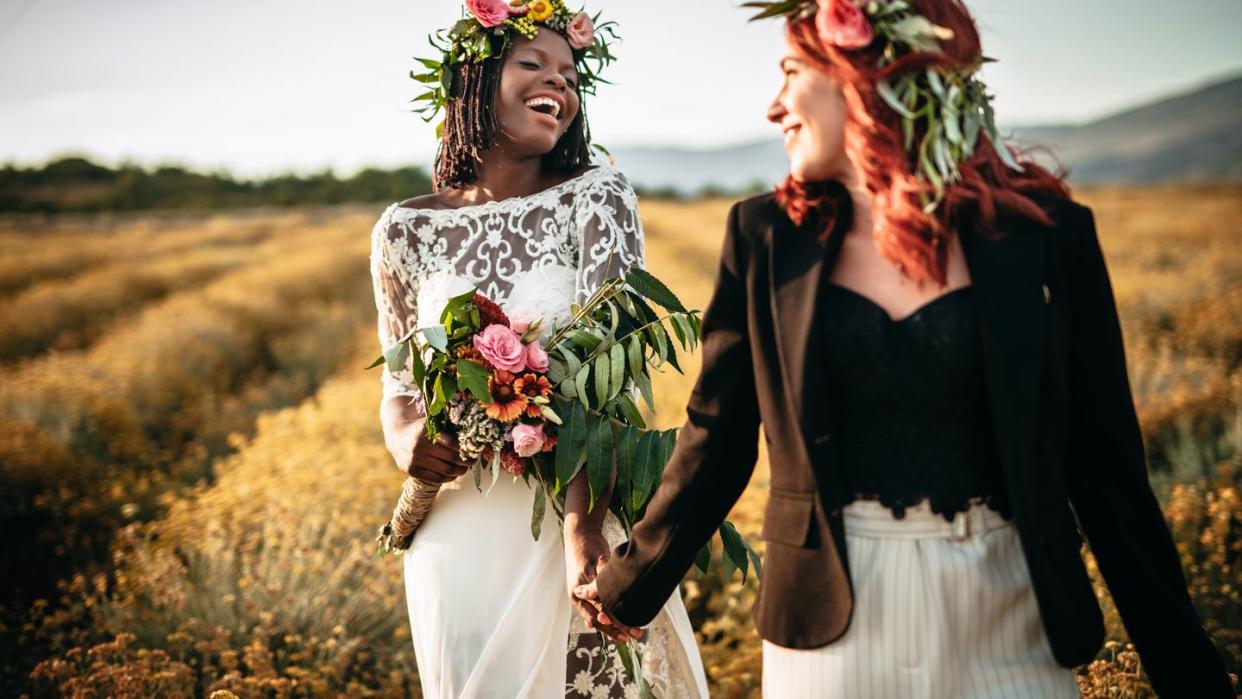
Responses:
[488,605]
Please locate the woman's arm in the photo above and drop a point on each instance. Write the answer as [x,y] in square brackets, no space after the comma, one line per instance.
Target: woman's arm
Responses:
[402,415]
[711,464]
[1113,500]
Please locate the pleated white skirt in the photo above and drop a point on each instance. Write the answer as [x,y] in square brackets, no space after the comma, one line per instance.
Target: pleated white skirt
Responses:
[942,610]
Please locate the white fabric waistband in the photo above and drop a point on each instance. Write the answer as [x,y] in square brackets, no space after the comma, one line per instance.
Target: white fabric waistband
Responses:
[869,518]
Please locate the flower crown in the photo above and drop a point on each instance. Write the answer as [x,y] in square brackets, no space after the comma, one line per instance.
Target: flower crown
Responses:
[485,31]
[954,104]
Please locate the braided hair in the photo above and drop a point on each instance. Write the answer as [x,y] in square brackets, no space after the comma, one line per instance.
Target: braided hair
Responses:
[470,127]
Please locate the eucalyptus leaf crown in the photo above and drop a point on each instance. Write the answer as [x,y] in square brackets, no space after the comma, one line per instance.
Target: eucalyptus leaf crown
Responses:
[485,31]
[951,104]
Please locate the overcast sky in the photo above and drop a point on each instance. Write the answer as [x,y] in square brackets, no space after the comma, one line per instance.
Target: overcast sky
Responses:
[263,86]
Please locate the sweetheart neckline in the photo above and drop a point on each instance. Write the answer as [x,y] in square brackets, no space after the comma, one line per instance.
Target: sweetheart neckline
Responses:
[908,316]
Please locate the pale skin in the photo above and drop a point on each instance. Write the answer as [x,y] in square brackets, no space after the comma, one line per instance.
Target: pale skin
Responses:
[810,110]
[534,68]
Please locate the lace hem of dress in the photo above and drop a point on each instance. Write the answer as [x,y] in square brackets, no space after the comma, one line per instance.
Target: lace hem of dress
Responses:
[945,507]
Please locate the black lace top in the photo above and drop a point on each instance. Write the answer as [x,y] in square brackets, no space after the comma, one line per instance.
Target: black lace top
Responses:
[909,403]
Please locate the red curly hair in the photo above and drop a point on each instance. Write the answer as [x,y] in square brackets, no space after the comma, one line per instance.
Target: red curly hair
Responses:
[911,239]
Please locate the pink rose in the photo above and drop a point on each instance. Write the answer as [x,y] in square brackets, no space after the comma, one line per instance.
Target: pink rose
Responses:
[521,318]
[843,24]
[490,13]
[537,357]
[528,439]
[501,347]
[580,31]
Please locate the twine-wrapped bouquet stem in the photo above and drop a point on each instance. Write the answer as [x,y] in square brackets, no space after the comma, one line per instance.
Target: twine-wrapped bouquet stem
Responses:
[416,499]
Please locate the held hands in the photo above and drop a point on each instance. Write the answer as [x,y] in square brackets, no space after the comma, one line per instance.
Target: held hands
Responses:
[586,553]
[434,462]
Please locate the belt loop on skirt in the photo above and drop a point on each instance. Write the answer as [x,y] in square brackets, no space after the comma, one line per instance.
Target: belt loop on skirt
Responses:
[961,526]
[870,518]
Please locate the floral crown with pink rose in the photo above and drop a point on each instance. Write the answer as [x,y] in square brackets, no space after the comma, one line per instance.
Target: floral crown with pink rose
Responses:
[951,103]
[487,27]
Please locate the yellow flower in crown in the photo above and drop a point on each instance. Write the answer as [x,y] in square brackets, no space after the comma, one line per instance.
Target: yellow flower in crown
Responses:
[539,10]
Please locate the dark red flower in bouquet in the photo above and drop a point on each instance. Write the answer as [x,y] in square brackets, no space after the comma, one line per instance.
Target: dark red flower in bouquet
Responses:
[489,312]
[513,464]
[509,402]
[549,442]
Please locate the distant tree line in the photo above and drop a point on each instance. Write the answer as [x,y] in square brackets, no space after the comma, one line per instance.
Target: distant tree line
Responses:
[77,184]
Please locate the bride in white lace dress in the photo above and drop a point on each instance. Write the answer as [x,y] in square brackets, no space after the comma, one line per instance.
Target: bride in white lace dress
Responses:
[490,607]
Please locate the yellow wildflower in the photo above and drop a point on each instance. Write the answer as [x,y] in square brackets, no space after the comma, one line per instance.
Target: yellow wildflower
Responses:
[539,10]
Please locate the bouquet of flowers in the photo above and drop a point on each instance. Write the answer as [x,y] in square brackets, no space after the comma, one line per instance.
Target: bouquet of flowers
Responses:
[546,413]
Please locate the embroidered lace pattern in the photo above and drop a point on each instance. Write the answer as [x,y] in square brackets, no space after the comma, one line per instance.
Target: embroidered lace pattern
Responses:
[909,404]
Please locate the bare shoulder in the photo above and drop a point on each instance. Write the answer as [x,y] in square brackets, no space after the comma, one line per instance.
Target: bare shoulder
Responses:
[432,200]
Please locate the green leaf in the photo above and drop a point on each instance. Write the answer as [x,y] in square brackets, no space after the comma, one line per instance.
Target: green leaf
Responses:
[754,559]
[580,384]
[378,361]
[616,363]
[734,549]
[572,363]
[886,93]
[396,356]
[627,454]
[646,284]
[634,353]
[644,387]
[703,558]
[443,388]
[536,516]
[473,378]
[646,469]
[584,339]
[436,336]
[416,364]
[571,437]
[556,371]
[630,411]
[599,457]
[603,375]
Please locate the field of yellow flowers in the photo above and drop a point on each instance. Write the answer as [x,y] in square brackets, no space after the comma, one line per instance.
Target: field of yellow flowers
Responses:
[189,445]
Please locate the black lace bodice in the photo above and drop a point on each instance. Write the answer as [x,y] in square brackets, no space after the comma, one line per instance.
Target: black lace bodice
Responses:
[909,404]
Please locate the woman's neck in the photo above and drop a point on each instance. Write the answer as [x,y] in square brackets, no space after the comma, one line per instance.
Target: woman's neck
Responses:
[861,199]
[501,177]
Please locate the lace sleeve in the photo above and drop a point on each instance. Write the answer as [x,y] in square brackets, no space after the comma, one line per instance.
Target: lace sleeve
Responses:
[606,215]
[396,312]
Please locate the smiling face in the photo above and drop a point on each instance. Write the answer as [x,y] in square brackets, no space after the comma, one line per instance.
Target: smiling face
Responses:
[538,98]
[810,110]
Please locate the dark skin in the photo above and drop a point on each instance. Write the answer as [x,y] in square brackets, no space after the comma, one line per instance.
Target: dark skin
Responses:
[542,67]
[533,68]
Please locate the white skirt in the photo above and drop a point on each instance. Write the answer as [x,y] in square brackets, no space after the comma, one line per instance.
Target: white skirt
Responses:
[490,614]
[941,610]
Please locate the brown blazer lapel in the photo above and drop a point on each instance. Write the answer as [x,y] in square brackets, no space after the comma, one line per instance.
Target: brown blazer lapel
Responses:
[799,264]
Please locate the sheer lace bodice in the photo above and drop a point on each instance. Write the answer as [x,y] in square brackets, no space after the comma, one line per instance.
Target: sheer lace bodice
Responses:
[540,251]
[537,253]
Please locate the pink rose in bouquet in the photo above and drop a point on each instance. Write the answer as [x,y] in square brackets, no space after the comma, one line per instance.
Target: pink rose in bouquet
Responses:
[536,357]
[528,439]
[501,347]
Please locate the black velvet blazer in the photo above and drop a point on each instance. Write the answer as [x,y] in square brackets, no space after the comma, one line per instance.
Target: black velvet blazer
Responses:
[1063,414]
